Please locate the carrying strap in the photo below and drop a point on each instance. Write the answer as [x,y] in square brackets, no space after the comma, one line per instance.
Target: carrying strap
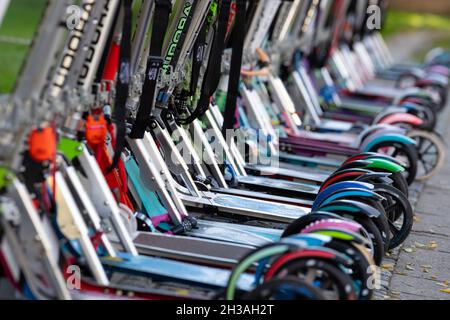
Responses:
[236,65]
[154,65]
[213,71]
[122,85]
[198,56]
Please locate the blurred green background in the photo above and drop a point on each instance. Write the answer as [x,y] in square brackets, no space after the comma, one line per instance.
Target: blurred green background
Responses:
[23,17]
[16,32]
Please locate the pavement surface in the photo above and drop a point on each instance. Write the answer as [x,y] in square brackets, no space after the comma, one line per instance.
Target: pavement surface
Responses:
[420,269]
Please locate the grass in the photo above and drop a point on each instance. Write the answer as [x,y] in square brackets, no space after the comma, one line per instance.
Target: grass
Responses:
[20,21]
[438,25]
[406,21]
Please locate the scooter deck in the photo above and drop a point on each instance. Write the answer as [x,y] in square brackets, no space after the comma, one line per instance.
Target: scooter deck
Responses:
[191,249]
[350,116]
[240,206]
[385,92]
[287,157]
[345,139]
[175,272]
[364,105]
[312,170]
[335,125]
[264,196]
[278,184]
[260,170]
[240,234]
[308,147]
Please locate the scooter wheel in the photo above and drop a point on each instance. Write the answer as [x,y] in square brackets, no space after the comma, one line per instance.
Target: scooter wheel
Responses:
[405,153]
[362,268]
[367,224]
[431,153]
[288,288]
[439,91]
[400,183]
[399,213]
[296,226]
[428,115]
[334,283]
[375,236]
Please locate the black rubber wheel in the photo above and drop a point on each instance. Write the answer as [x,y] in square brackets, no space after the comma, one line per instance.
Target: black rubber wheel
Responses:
[431,153]
[287,288]
[441,91]
[334,283]
[399,213]
[400,183]
[375,235]
[361,268]
[296,226]
[381,222]
[377,229]
[428,115]
[405,153]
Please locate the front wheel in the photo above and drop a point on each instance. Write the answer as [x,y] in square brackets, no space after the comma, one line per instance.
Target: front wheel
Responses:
[333,282]
[288,288]
[431,153]
[405,153]
[399,213]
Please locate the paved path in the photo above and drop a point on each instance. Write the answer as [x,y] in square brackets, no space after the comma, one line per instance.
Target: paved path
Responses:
[404,45]
[422,269]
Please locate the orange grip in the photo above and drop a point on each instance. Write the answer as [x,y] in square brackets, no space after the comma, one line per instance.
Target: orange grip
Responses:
[96,129]
[42,144]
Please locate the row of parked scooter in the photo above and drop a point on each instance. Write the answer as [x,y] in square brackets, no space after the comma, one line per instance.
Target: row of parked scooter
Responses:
[213,149]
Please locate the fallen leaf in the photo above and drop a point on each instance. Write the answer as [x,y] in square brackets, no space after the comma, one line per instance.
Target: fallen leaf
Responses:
[433,278]
[387,266]
[424,270]
[420,245]
[446,282]
[416,219]
[409,267]
[432,245]
[409,250]
[441,284]
[426,266]
[445,290]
